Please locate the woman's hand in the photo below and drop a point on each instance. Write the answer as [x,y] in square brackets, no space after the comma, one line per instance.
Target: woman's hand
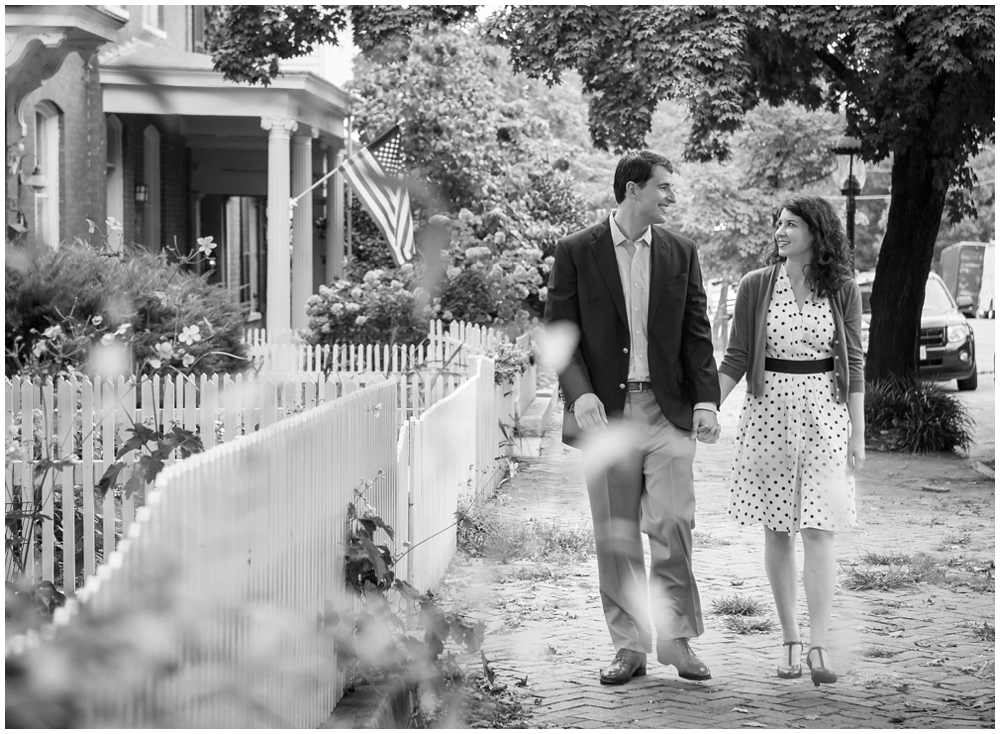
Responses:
[855,452]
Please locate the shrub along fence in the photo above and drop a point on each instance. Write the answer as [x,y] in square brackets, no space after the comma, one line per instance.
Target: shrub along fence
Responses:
[253,532]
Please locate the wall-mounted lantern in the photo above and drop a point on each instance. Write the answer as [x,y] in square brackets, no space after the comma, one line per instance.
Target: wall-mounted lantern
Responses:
[141,192]
[36,180]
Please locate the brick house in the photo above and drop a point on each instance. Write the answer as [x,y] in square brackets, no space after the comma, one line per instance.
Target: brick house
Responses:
[118,113]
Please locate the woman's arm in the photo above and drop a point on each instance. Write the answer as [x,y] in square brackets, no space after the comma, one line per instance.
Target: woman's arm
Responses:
[856,443]
[727,384]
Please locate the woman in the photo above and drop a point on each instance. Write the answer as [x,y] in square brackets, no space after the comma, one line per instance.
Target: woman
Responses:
[796,334]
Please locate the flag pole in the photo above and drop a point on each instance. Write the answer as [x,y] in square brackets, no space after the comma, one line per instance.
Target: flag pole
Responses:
[295,199]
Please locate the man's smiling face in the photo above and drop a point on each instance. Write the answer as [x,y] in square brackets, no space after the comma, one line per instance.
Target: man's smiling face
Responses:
[654,197]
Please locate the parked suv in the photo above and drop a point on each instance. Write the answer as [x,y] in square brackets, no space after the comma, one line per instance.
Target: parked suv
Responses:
[947,343]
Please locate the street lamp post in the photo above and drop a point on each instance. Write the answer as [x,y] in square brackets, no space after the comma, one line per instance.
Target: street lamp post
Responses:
[849,146]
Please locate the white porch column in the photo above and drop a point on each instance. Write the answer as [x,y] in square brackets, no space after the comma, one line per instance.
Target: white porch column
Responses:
[279,298]
[302,226]
[335,220]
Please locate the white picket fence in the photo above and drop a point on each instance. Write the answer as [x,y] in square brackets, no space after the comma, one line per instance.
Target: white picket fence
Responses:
[446,461]
[448,351]
[91,420]
[245,543]
[247,540]
[453,344]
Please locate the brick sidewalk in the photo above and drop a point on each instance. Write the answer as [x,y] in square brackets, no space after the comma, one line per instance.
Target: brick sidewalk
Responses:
[908,658]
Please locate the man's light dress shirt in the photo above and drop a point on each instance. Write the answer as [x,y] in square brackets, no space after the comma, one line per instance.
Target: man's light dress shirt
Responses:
[633,267]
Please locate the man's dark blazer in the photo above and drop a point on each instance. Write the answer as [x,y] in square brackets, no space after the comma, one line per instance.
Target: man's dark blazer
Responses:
[585,288]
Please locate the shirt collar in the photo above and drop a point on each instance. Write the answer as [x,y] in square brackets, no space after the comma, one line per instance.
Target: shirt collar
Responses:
[617,236]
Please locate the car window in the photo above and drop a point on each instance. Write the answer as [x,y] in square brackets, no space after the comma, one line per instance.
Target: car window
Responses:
[936,298]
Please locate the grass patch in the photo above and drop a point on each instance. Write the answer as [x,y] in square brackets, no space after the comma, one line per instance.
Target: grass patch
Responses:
[536,573]
[749,625]
[977,582]
[561,542]
[952,540]
[498,533]
[705,540]
[877,579]
[883,680]
[920,568]
[737,605]
[879,653]
[872,558]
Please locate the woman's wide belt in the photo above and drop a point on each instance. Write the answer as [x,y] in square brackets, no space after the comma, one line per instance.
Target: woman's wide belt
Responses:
[799,366]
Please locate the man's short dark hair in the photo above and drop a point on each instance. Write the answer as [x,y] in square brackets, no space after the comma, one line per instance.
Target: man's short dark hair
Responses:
[637,166]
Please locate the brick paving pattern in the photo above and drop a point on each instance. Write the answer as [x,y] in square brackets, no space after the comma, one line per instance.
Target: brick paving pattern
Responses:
[912,657]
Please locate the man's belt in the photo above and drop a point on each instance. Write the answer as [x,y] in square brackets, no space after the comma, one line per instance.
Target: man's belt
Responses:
[798,366]
[639,386]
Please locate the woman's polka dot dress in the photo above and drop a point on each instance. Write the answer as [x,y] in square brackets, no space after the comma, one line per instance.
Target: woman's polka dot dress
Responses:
[790,467]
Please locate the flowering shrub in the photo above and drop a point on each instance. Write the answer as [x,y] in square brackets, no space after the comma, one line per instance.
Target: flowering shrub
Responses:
[490,271]
[92,309]
[510,361]
[474,284]
[385,307]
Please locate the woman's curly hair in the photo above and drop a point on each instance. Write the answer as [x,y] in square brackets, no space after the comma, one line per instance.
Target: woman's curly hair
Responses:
[831,263]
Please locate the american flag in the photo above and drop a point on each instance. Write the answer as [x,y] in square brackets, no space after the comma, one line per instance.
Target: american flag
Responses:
[373,172]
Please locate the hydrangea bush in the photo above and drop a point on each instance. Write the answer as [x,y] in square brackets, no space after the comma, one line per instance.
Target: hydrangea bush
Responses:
[484,276]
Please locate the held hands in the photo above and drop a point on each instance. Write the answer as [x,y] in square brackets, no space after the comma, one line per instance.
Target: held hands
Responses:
[590,417]
[589,412]
[705,426]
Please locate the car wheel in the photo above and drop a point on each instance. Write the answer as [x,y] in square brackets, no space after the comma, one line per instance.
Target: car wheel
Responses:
[970,383]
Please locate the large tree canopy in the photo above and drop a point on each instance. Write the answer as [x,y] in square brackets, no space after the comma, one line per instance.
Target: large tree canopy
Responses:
[248,42]
[917,84]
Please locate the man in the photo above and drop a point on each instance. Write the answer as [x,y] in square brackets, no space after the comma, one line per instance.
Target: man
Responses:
[644,363]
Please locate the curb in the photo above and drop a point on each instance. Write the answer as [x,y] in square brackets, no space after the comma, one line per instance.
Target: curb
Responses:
[379,706]
[982,468]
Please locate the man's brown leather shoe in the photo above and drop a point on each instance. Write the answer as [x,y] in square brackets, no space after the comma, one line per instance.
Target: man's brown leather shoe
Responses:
[679,654]
[627,665]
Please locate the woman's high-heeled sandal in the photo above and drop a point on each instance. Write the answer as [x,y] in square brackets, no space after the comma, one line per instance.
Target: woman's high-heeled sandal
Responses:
[819,673]
[794,667]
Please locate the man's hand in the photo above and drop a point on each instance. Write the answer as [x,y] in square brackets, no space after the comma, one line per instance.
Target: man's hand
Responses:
[705,426]
[589,412]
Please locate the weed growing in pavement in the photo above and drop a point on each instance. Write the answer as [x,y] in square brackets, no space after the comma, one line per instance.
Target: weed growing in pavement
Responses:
[536,573]
[920,568]
[951,541]
[493,531]
[986,633]
[737,605]
[865,579]
[875,653]
[872,558]
[559,542]
[705,540]
[883,680]
[886,608]
[984,670]
[749,625]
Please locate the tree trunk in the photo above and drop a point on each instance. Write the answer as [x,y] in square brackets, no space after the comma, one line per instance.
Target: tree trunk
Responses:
[915,209]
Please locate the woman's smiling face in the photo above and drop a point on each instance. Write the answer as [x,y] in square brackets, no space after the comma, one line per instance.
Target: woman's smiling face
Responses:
[793,237]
